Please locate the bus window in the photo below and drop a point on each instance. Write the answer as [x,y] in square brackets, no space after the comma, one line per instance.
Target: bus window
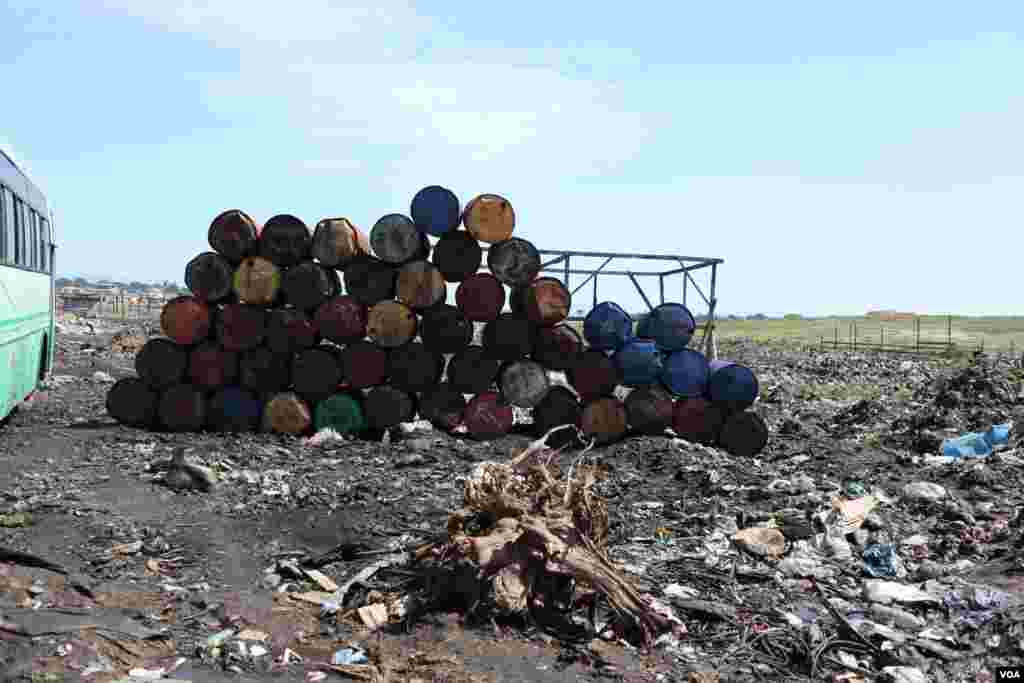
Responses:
[19,231]
[22,233]
[7,198]
[44,244]
[33,239]
[3,224]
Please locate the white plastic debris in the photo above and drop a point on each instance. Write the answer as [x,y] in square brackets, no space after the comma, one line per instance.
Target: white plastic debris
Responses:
[675,590]
[885,592]
[325,437]
[924,491]
[905,674]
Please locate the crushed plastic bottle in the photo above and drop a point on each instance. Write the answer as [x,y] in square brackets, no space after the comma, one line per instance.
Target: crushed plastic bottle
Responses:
[976,444]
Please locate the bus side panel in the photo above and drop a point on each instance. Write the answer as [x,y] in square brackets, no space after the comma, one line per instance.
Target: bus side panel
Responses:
[25,317]
[8,380]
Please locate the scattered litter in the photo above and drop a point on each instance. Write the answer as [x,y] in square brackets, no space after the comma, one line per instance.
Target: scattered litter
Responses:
[881,560]
[925,491]
[976,444]
[348,656]
[761,541]
[885,592]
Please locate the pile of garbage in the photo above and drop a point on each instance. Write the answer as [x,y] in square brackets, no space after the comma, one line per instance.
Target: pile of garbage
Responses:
[832,555]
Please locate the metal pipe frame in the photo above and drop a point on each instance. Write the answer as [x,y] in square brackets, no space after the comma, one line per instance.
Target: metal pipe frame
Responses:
[625,273]
[593,276]
[702,260]
[687,265]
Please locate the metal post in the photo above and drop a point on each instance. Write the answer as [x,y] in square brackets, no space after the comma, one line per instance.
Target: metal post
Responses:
[661,287]
[835,339]
[567,274]
[949,331]
[686,280]
[712,351]
[714,281]
[595,290]
[917,334]
[854,336]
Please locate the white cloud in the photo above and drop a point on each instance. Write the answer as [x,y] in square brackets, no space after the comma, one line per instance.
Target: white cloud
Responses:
[332,71]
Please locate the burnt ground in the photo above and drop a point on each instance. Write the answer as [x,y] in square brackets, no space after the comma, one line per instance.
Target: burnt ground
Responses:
[186,565]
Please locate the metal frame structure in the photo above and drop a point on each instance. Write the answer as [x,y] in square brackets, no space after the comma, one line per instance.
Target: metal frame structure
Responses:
[686,266]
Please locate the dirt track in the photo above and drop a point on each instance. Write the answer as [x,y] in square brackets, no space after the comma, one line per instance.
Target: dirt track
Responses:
[87,485]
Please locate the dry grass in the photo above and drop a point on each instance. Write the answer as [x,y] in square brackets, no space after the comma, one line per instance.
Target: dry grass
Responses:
[996,334]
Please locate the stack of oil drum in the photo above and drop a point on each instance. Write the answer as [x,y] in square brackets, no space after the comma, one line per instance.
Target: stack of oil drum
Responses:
[292,330]
[671,385]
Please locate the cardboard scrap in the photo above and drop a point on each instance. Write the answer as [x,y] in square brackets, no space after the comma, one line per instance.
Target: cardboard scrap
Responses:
[322,580]
[763,541]
[312,597]
[374,616]
[253,634]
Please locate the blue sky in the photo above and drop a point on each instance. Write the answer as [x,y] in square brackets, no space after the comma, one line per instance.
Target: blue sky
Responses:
[837,159]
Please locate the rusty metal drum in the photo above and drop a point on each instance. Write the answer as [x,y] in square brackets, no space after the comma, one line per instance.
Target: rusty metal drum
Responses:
[515,262]
[391,324]
[396,240]
[650,410]
[604,419]
[285,240]
[420,285]
[523,383]
[337,242]
[480,297]
[186,320]
[489,218]
[488,417]
[342,320]
[457,255]
[233,234]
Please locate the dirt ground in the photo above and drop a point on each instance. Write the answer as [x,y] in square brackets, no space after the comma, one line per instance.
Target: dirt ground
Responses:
[202,561]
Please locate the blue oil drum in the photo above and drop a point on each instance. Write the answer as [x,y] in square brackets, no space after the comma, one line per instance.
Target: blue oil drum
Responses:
[685,373]
[643,327]
[435,210]
[732,385]
[639,362]
[671,327]
[607,327]
[233,409]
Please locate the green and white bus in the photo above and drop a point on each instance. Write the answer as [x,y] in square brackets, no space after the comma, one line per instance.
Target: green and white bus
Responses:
[27,297]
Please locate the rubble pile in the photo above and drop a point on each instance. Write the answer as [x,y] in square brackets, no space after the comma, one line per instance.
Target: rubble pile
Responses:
[294,331]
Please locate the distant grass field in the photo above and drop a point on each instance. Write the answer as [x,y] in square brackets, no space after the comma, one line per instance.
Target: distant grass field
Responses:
[995,334]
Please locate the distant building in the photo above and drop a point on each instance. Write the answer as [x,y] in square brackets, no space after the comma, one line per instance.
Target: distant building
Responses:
[889,315]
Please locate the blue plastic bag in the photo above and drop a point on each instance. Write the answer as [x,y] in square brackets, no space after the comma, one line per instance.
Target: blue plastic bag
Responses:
[976,444]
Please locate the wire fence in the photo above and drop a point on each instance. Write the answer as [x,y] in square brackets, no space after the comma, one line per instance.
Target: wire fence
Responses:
[917,336]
